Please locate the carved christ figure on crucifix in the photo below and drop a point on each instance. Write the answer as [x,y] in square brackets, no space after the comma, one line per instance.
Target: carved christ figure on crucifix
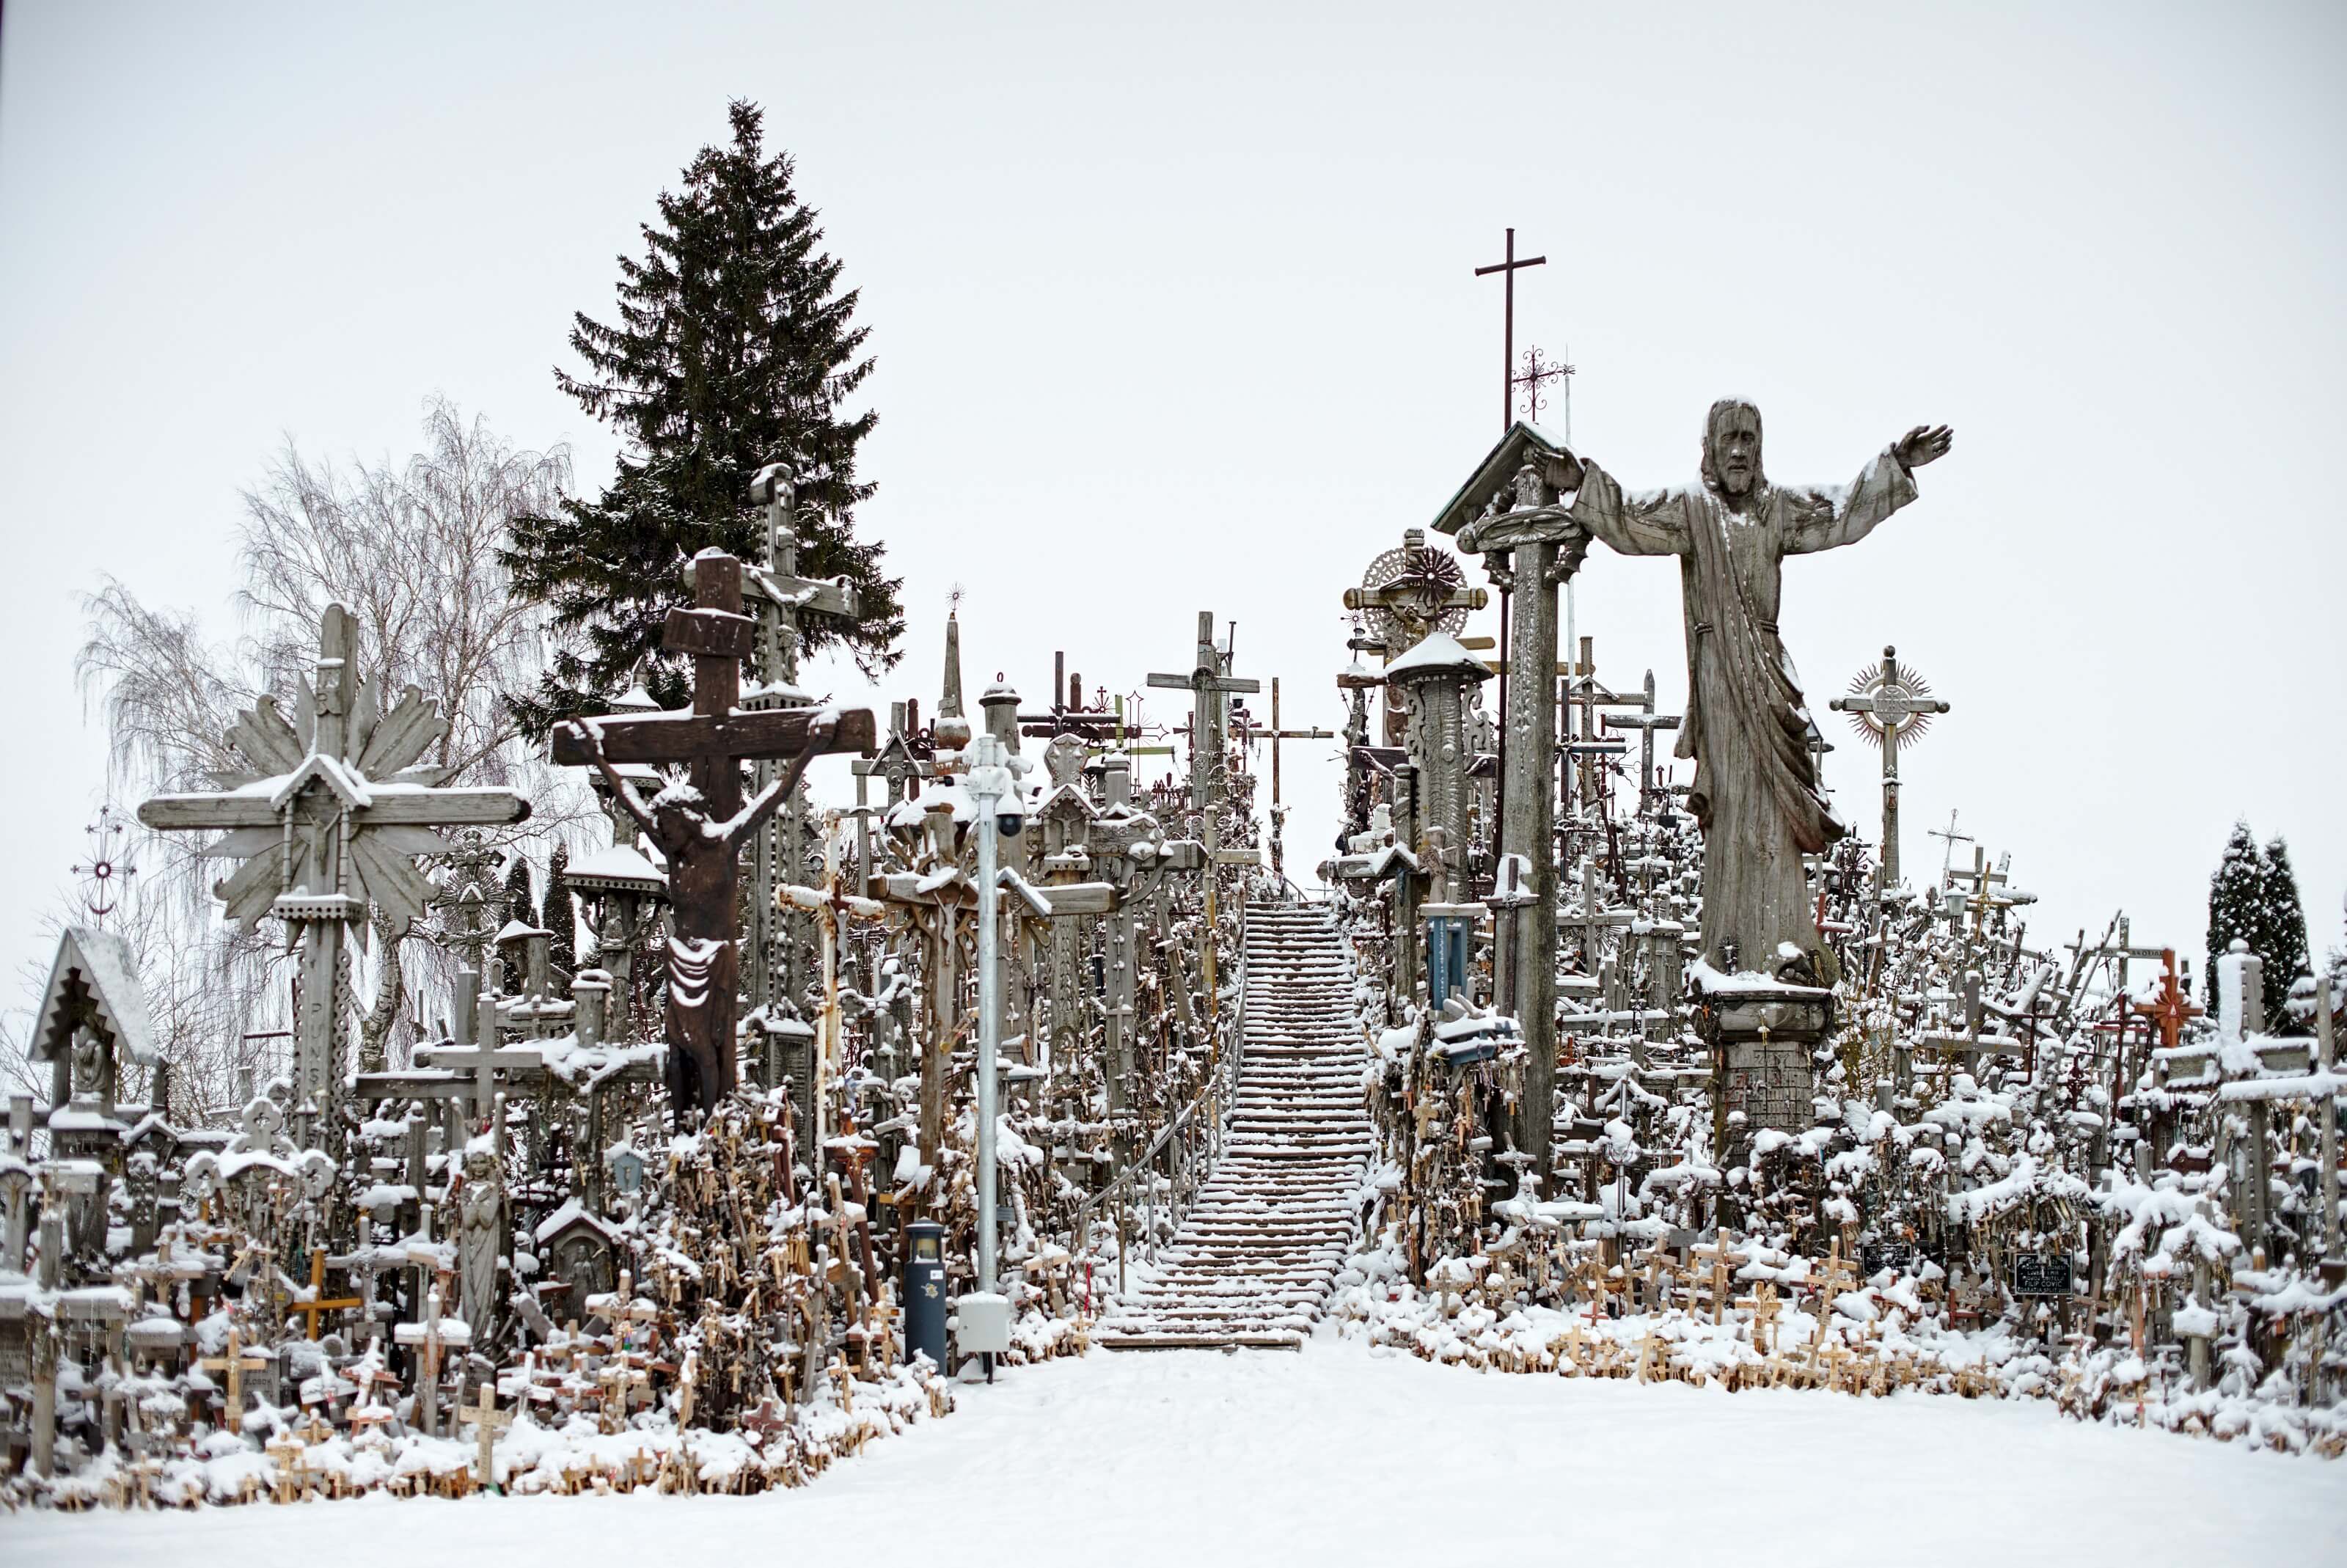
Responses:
[1756,791]
[705,960]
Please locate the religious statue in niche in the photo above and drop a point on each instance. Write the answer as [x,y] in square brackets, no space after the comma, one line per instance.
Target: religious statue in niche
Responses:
[580,1257]
[1756,790]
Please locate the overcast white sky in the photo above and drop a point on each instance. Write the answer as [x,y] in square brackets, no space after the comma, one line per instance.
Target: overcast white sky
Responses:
[1179,314]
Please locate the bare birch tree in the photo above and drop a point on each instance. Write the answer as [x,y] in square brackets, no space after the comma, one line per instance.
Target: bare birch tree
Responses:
[410,549]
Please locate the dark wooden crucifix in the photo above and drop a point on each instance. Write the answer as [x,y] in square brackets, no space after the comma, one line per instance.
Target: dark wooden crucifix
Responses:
[702,826]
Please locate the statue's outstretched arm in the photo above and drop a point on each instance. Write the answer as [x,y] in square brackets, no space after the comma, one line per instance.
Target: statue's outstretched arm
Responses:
[1829,517]
[590,741]
[1650,524]
[751,817]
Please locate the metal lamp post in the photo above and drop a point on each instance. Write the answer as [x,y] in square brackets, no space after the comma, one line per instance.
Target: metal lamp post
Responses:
[988,780]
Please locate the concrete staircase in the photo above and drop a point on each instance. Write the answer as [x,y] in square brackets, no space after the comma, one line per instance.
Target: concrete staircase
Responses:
[1253,1261]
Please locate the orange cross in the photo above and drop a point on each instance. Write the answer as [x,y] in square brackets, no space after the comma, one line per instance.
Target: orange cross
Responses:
[317,1304]
[2171,1009]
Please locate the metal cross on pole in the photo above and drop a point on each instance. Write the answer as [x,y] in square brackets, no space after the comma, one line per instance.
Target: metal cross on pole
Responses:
[1538,373]
[1949,840]
[1888,703]
[1508,269]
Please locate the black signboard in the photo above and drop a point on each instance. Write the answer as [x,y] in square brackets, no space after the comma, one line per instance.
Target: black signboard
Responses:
[2042,1274]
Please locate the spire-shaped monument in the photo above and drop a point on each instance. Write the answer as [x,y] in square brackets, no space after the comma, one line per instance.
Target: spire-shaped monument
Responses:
[952,726]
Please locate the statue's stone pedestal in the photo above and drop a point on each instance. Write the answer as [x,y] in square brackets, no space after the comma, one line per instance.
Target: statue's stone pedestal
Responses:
[1761,1033]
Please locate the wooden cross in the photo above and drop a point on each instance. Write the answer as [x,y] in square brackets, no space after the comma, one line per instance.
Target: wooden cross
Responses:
[1249,732]
[233,1369]
[895,760]
[1275,735]
[329,825]
[487,1421]
[1571,1346]
[1646,721]
[847,1379]
[1722,1262]
[1210,686]
[1579,753]
[1658,1261]
[2172,1008]
[285,1452]
[1427,587]
[235,1364]
[1593,922]
[1508,267]
[1888,704]
[1984,898]
[2120,948]
[1068,714]
[1972,1042]
[621,1382]
[703,840]
[836,907]
[782,595]
[430,1335]
[1834,1276]
[716,735]
[317,1304]
[1764,1307]
[1654,1357]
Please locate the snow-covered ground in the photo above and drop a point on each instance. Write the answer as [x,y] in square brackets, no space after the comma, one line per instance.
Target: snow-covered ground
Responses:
[1346,1454]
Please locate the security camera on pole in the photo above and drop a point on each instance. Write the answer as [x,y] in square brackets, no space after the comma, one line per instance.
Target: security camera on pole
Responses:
[985,1314]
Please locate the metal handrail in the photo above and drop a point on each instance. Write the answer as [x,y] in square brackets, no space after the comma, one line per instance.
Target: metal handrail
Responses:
[1216,1098]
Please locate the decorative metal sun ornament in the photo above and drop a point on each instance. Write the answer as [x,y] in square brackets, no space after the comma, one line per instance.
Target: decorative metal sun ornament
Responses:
[105,875]
[1899,700]
[1410,592]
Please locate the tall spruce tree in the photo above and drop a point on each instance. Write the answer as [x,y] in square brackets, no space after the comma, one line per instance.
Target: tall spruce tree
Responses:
[2281,938]
[559,916]
[519,905]
[2236,898]
[732,348]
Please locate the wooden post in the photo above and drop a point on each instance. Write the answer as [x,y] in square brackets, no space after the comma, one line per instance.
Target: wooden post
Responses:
[1526,829]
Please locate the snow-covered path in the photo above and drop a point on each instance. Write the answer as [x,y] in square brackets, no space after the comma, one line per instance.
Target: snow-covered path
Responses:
[1340,1455]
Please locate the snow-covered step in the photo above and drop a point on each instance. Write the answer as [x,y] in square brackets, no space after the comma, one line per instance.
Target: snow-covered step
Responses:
[1261,1246]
